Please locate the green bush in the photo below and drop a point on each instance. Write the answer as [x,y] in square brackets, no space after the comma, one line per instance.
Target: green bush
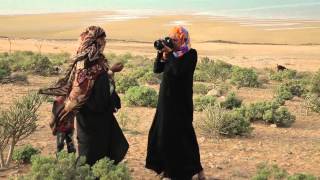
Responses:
[269,112]
[41,65]
[105,169]
[244,77]
[200,102]
[218,121]
[312,102]
[201,76]
[219,70]
[127,122]
[124,82]
[231,101]
[139,72]
[24,154]
[212,71]
[65,166]
[130,61]
[279,101]
[150,78]
[300,176]
[315,87]
[200,88]
[123,58]
[141,96]
[281,117]
[256,111]
[68,166]
[297,87]
[35,63]
[58,59]
[289,89]
[283,92]
[4,68]
[223,88]
[283,75]
[266,172]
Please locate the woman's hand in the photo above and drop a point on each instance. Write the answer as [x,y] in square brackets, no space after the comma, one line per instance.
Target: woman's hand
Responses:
[166,50]
[117,67]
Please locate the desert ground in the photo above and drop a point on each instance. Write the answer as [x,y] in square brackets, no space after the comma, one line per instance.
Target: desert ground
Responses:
[296,149]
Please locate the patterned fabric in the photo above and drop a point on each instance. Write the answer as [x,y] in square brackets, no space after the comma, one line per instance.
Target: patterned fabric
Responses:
[60,126]
[182,39]
[76,86]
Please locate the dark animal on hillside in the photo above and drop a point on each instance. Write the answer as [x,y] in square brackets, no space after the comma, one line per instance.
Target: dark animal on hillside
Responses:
[280,68]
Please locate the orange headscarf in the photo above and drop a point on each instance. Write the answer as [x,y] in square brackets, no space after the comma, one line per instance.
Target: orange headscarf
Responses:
[182,40]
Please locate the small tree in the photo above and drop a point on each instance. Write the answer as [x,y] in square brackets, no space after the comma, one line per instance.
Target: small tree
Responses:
[17,123]
[10,43]
[38,45]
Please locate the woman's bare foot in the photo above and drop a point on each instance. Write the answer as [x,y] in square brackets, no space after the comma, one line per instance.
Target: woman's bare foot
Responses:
[201,175]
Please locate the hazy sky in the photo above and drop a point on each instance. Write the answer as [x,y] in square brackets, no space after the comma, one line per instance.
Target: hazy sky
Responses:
[303,8]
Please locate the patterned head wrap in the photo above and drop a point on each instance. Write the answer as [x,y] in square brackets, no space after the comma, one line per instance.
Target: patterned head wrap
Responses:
[76,86]
[92,43]
[182,39]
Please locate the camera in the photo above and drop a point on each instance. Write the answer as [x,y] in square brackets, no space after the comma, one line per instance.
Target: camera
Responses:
[158,44]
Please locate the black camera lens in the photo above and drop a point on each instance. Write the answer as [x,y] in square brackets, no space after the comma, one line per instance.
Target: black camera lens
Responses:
[168,42]
[158,44]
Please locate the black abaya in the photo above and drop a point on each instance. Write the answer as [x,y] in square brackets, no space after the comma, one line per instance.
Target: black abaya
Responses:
[99,134]
[172,144]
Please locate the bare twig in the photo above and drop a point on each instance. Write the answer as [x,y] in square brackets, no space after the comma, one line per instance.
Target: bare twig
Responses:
[38,44]
[10,44]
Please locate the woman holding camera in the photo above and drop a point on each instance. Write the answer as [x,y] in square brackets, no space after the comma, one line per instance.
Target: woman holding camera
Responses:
[173,149]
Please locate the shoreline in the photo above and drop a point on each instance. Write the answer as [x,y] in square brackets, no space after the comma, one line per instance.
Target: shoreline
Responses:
[151,13]
[148,42]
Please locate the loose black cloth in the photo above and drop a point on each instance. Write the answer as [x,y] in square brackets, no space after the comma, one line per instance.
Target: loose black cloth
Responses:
[98,132]
[172,144]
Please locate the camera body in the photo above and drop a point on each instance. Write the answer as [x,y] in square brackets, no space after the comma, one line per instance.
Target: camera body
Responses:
[158,44]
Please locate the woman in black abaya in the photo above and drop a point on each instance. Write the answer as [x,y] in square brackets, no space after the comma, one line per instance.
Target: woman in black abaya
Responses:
[173,149]
[88,94]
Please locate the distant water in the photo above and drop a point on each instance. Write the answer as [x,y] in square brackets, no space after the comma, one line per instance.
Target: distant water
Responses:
[257,9]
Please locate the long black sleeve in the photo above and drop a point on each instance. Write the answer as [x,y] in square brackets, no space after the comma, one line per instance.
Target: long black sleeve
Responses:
[158,65]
